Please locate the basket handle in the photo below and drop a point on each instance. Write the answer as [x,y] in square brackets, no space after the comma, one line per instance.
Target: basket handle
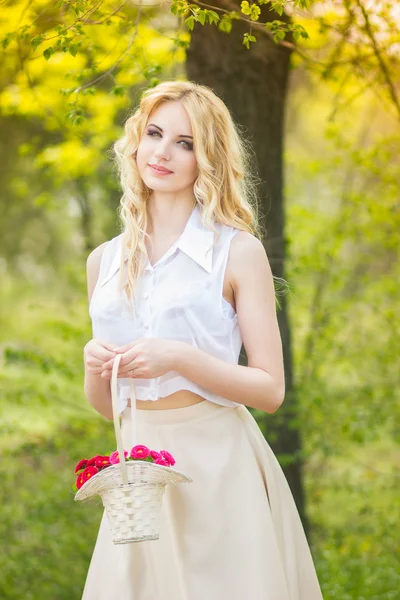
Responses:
[117,426]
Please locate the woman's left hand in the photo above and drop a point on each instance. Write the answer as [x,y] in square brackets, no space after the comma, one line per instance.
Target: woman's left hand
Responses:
[144,358]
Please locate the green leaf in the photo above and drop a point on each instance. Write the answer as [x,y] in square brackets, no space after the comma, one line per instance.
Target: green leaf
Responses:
[36,41]
[73,49]
[90,91]
[247,39]
[118,90]
[48,53]
[279,35]
[225,24]
[277,6]
[201,17]
[189,22]
[213,17]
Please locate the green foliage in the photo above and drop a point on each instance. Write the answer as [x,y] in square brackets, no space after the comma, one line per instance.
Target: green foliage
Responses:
[201,16]
[247,39]
[342,232]
[250,9]
[280,29]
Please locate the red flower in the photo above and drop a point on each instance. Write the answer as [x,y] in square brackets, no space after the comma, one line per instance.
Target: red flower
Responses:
[81,465]
[168,457]
[154,454]
[161,461]
[139,451]
[114,456]
[102,461]
[91,462]
[85,476]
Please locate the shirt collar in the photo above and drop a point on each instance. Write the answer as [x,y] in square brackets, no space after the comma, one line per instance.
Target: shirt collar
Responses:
[196,241]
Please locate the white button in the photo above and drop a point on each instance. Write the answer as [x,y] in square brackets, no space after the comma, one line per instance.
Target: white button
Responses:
[146,325]
[145,296]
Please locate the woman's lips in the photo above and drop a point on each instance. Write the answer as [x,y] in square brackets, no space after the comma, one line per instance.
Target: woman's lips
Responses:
[159,170]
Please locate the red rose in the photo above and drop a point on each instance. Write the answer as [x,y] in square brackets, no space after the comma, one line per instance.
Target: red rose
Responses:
[85,476]
[154,454]
[81,464]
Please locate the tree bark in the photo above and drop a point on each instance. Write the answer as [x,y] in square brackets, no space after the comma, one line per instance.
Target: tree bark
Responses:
[253,84]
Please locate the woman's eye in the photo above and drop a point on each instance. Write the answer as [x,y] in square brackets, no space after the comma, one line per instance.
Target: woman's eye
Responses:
[186,144]
[151,133]
[189,146]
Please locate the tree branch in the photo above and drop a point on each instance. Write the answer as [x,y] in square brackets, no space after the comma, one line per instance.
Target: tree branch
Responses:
[381,62]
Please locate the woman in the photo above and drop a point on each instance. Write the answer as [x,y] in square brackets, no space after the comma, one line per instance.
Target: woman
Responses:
[177,293]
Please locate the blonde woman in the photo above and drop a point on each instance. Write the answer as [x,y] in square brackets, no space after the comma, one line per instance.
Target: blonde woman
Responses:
[176,293]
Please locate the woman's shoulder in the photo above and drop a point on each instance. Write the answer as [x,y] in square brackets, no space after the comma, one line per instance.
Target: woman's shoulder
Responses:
[95,257]
[245,249]
[246,239]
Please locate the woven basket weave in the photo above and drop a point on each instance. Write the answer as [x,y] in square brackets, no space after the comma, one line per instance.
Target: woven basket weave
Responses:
[131,491]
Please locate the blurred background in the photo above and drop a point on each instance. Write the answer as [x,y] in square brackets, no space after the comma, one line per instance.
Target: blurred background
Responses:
[315,88]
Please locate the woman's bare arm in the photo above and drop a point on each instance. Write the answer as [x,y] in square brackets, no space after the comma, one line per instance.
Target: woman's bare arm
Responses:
[261,384]
[97,390]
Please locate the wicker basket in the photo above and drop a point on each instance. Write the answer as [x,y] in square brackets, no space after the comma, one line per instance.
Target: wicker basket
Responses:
[131,491]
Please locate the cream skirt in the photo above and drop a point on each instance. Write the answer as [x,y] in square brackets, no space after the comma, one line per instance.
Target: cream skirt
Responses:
[234,533]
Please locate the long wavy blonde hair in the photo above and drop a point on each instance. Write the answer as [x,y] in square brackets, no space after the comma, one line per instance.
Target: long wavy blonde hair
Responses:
[226,186]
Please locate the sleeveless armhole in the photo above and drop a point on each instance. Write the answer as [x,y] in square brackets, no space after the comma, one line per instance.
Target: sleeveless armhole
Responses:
[104,264]
[227,309]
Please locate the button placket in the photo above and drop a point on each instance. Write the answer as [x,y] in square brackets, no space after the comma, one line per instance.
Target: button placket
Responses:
[148,321]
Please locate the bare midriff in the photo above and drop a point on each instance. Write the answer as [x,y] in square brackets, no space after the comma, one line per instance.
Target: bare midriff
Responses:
[177,400]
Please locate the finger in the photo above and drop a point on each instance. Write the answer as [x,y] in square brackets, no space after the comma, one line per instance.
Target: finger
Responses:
[108,364]
[129,367]
[122,368]
[101,352]
[122,349]
[104,357]
[107,345]
[126,347]
[128,356]
[107,374]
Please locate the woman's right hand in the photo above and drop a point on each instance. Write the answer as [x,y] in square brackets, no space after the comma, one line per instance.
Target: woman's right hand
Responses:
[95,353]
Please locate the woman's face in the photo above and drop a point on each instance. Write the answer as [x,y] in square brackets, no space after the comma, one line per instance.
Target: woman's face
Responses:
[167,142]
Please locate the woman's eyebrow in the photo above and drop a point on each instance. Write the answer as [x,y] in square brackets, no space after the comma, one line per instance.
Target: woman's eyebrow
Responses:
[154,125]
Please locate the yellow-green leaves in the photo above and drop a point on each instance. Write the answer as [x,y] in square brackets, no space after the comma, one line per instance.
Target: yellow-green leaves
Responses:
[252,10]
[201,16]
[281,28]
[247,39]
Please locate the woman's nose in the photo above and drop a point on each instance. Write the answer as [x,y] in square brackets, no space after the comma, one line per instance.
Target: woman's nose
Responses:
[162,150]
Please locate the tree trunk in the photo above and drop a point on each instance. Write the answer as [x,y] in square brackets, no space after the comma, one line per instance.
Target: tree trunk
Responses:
[253,84]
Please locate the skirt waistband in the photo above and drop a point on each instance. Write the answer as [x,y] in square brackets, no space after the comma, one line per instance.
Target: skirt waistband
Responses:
[177,415]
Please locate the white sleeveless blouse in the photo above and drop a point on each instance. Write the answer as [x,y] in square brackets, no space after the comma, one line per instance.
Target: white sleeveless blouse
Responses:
[178,298]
